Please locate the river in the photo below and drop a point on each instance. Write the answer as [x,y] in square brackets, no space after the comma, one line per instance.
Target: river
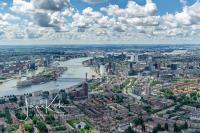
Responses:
[76,71]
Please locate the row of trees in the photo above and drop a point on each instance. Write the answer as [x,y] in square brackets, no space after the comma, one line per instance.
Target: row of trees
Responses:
[28,126]
[8,116]
[166,127]
[139,121]
[10,99]
[41,126]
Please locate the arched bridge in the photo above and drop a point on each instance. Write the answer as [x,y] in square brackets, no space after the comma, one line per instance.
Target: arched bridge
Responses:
[71,79]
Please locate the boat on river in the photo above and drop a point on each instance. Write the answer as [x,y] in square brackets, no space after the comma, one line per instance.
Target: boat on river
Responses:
[24,83]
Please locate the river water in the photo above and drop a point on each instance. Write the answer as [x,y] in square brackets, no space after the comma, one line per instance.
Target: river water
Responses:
[73,76]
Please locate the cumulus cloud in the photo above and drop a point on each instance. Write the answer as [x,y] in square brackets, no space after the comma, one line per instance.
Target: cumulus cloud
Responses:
[22,7]
[132,10]
[42,19]
[86,19]
[3,5]
[55,5]
[118,28]
[58,19]
[8,17]
[183,2]
[45,13]
[189,16]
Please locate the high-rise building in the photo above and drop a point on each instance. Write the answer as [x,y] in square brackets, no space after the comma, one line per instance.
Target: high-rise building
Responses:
[86,77]
[134,58]
[136,91]
[20,73]
[102,70]
[0,71]
[150,59]
[85,86]
[82,93]
[32,65]
[85,89]
[131,66]
[148,91]
[174,66]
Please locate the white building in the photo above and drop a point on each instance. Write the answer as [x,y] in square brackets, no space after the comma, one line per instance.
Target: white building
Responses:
[195,115]
[134,58]
[102,70]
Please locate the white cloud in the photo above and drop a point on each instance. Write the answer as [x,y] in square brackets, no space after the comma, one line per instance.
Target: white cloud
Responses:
[45,13]
[184,2]
[42,19]
[58,20]
[8,17]
[183,18]
[189,16]
[3,5]
[86,19]
[55,5]
[22,7]
[132,10]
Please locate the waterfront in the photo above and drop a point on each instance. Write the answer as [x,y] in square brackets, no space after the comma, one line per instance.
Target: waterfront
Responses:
[74,75]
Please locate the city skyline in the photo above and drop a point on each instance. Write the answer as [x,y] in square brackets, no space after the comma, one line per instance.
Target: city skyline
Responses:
[100,89]
[99,22]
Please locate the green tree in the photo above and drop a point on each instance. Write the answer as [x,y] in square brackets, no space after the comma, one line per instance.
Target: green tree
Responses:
[129,130]
[155,130]
[41,127]
[186,125]
[2,101]
[87,127]
[31,113]
[20,115]
[29,127]
[21,103]
[13,99]
[159,127]
[50,119]
[8,116]
[2,114]
[148,109]
[138,121]
[35,119]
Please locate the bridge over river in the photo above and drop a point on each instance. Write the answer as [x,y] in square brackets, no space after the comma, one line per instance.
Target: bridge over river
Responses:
[74,75]
[73,78]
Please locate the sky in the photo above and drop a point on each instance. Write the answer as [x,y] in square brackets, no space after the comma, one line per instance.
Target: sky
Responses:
[99,22]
